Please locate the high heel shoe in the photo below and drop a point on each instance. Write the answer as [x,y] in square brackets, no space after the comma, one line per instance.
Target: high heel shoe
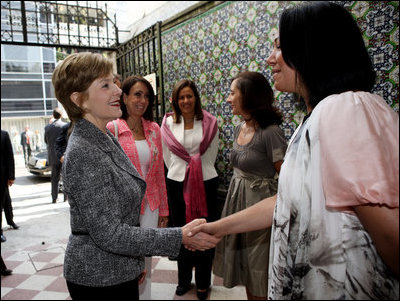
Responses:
[202,295]
[180,291]
[14,226]
[6,272]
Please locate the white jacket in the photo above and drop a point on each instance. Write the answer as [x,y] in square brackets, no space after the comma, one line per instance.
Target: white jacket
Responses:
[177,166]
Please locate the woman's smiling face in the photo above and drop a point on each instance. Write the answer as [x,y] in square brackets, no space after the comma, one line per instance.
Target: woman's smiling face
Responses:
[283,75]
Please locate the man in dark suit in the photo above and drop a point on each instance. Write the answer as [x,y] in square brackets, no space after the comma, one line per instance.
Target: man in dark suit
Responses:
[7,171]
[26,144]
[51,132]
[60,147]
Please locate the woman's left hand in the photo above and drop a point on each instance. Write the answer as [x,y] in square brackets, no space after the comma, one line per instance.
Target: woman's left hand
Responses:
[162,221]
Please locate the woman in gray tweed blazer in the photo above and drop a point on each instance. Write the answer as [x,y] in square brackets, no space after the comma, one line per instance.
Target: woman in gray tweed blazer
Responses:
[106,249]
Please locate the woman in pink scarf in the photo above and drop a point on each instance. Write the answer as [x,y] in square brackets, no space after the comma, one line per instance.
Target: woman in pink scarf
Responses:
[190,147]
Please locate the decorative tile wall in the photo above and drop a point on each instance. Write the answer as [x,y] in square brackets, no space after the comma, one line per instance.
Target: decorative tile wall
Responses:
[237,35]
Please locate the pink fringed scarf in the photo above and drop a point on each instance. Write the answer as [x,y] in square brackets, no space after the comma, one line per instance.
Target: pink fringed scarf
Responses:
[193,185]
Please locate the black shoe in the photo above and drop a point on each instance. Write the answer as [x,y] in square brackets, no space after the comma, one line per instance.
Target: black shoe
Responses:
[55,201]
[172,258]
[182,290]
[3,238]
[14,225]
[6,272]
[202,295]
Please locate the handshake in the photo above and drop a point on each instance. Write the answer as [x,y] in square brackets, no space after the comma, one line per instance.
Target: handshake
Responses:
[198,235]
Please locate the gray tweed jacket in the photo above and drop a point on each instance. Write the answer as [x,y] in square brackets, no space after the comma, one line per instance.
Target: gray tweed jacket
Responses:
[104,193]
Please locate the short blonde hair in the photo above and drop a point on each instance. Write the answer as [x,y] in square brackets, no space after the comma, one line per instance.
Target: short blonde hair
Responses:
[75,74]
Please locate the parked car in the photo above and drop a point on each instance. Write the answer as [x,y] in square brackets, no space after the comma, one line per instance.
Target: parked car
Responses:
[38,164]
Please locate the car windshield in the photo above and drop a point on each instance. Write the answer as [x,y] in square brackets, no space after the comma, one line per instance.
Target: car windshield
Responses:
[41,155]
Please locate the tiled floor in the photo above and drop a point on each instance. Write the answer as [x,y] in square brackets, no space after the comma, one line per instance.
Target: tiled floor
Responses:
[38,275]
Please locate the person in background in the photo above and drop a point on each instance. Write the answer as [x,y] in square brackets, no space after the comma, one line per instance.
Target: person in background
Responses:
[117,80]
[7,179]
[8,210]
[190,147]
[140,138]
[335,219]
[26,143]
[258,149]
[4,270]
[51,132]
[36,141]
[16,143]
[105,252]
[60,147]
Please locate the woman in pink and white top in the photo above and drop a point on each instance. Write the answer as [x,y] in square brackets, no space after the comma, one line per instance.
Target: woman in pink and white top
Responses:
[140,138]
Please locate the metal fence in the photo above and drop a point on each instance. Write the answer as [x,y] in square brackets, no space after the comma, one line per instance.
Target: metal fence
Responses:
[56,23]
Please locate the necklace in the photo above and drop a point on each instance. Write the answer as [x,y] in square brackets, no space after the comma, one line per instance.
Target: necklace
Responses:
[247,130]
[136,129]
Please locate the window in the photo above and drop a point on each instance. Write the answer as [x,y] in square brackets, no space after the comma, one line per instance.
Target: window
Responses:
[20,67]
[21,89]
[22,53]
[48,54]
[48,67]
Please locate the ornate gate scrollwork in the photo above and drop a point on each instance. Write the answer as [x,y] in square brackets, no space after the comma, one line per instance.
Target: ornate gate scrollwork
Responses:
[57,24]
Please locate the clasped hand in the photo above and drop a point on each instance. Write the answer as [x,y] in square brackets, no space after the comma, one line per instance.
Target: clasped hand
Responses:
[198,236]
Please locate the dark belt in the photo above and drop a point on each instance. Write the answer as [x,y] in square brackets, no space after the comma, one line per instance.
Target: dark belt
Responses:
[79,233]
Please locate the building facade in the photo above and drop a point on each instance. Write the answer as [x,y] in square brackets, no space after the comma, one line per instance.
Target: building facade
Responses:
[27,95]
[27,27]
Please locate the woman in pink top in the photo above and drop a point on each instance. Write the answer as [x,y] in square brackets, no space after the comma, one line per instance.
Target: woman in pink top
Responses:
[140,138]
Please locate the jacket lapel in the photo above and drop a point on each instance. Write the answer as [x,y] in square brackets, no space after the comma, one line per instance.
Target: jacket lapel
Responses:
[108,144]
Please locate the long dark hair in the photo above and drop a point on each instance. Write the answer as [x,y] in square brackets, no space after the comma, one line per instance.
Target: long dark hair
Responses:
[258,98]
[323,43]
[126,88]
[198,112]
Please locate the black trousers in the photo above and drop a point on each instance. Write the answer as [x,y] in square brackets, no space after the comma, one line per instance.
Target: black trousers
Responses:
[55,179]
[3,265]
[187,260]
[124,291]
[6,206]
[27,152]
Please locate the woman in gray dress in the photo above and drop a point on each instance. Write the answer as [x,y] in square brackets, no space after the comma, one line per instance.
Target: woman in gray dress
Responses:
[258,150]
[106,249]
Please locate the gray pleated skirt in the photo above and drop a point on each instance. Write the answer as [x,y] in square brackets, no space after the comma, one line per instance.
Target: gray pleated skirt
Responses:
[243,258]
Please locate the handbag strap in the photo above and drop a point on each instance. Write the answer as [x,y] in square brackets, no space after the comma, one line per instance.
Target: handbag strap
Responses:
[115,129]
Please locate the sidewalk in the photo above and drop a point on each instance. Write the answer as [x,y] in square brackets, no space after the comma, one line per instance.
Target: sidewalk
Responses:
[35,252]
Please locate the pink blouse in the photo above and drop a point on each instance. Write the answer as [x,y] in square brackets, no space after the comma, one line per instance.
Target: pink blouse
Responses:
[359,136]
[156,192]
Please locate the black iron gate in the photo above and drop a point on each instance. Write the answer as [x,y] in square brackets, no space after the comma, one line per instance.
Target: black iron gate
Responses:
[75,27]
[57,24]
[142,55]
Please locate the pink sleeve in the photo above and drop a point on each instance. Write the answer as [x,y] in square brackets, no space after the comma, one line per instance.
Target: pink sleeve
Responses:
[164,209]
[359,139]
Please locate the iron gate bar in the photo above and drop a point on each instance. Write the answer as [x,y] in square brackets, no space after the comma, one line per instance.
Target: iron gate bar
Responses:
[24,28]
[161,70]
